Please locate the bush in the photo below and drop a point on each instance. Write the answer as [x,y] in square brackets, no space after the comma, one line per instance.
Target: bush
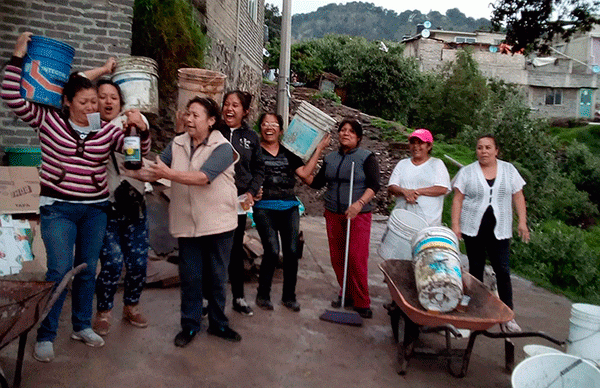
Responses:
[558,255]
[168,32]
[583,168]
[328,96]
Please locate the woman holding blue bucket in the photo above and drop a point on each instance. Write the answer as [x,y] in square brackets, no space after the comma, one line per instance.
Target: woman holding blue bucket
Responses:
[74,192]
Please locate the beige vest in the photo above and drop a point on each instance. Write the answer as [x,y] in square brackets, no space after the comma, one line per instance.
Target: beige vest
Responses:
[197,211]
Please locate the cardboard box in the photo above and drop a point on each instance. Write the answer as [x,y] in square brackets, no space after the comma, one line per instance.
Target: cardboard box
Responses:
[19,190]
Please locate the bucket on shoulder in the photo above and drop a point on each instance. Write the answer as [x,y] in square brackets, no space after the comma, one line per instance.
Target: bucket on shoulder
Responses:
[138,79]
[194,82]
[46,70]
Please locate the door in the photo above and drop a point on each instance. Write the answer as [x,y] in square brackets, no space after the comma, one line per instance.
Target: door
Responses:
[585,103]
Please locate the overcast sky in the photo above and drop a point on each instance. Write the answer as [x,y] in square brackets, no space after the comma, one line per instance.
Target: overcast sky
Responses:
[473,8]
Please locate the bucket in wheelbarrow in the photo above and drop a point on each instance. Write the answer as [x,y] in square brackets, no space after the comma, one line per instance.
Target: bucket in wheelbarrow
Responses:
[438,274]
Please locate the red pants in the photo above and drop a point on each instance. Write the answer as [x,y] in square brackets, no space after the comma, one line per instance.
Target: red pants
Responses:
[357,287]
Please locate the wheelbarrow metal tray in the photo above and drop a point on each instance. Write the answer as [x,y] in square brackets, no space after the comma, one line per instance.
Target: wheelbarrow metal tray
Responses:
[484,311]
[21,306]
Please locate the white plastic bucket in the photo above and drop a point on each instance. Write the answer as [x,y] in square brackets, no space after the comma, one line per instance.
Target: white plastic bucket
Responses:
[138,79]
[438,277]
[401,227]
[555,371]
[584,332]
[434,237]
[535,350]
[306,130]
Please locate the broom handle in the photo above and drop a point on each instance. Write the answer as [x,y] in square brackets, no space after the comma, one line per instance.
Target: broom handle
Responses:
[347,237]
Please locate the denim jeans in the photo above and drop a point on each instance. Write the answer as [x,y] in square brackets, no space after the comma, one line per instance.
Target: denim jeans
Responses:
[203,265]
[126,241]
[72,234]
[271,224]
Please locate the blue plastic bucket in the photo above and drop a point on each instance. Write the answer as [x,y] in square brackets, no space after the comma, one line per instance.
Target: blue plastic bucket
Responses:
[46,69]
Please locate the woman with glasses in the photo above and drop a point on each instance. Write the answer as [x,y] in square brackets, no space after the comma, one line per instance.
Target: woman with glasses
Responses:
[276,213]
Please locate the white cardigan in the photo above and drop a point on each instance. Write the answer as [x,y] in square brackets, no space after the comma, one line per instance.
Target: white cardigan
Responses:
[479,195]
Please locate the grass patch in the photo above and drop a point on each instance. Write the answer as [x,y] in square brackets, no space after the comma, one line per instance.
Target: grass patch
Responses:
[390,130]
[588,135]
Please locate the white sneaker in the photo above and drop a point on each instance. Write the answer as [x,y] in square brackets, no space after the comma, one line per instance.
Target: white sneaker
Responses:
[510,327]
[88,337]
[242,307]
[43,351]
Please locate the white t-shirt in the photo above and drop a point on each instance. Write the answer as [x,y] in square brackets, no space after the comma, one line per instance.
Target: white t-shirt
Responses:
[479,195]
[409,176]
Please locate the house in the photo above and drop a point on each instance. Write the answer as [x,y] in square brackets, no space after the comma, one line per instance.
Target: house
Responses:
[563,85]
[98,29]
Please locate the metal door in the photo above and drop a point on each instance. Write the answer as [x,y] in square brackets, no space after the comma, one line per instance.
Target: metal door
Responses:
[585,103]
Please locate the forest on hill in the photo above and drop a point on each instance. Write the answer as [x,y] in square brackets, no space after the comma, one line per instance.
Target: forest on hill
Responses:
[376,23]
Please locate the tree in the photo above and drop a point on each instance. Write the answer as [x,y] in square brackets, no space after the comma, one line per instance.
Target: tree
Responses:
[533,24]
[273,22]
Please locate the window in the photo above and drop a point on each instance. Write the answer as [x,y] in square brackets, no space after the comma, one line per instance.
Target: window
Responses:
[553,97]
[253,9]
[463,39]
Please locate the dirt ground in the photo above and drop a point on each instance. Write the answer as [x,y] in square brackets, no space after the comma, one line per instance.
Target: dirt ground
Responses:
[279,348]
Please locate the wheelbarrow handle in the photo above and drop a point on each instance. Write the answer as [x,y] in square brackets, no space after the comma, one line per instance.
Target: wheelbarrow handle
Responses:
[61,287]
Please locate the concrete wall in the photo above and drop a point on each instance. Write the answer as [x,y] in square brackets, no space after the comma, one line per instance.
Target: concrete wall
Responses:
[96,29]
[568,108]
[236,44]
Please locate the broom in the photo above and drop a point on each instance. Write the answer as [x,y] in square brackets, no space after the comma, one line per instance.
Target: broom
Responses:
[350,318]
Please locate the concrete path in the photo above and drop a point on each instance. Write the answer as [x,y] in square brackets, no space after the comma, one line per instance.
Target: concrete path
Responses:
[279,348]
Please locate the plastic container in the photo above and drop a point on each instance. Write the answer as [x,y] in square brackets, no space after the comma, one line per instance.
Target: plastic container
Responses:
[194,82]
[46,69]
[434,237]
[138,79]
[306,130]
[584,332]
[401,227]
[24,156]
[555,371]
[535,350]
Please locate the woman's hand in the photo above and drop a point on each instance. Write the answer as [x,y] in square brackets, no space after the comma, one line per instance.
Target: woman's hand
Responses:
[523,231]
[258,195]
[144,174]
[135,117]
[410,195]
[21,45]
[109,66]
[158,170]
[324,143]
[248,202]
[353,210]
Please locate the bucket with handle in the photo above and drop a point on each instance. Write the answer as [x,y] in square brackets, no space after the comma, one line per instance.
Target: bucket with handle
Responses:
[46,70]
[306,130]
[401,227]
[584,332]
[138,79]
[555,370]
[438,273]
[194,82]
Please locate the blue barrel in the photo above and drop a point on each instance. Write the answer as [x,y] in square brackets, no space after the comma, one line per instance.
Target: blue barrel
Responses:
[46,69]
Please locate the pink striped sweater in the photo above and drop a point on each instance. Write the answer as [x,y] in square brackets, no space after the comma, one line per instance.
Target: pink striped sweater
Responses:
[72,168]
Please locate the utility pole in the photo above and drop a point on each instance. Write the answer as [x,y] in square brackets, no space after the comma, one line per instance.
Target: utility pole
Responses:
[283,86]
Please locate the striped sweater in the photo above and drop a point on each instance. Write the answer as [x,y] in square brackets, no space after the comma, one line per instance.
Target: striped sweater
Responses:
[73,169]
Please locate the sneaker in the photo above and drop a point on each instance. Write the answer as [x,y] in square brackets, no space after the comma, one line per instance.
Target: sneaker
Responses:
[204,308]
[43,351]
[101,324]
[225,332]
[291,304]
[264,303]
[242,307]
[337,303]
[510,327]
[364,312]
[184,337]
[88,337]
[132,315]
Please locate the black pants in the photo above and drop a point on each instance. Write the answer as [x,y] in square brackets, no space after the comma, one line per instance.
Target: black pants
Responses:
[485,245]
[236,262]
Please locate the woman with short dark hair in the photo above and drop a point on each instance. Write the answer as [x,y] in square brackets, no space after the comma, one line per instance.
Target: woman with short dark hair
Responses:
[335,174]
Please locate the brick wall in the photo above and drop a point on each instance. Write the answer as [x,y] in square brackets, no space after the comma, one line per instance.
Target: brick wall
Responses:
[96,29]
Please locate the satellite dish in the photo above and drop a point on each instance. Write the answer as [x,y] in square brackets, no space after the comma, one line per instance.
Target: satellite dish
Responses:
[493,49]
[425,33]
[596,69]
[427,24]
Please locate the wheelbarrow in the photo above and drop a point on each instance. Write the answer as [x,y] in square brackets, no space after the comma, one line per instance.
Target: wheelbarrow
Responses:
[22,305]
[409,319]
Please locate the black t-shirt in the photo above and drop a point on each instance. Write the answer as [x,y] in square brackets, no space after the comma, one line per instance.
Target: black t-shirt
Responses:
[280,174]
